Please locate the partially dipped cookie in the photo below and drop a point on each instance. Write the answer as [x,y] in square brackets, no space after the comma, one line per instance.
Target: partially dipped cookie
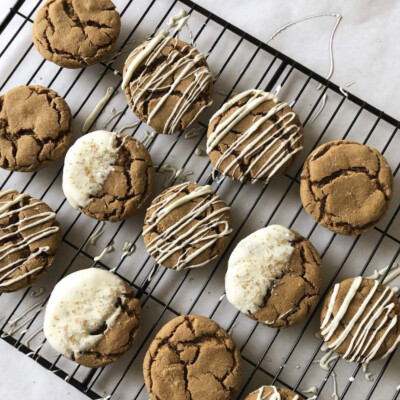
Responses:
[167,83]
[92,317]
[192,357]
[346,186]
[74,33]
[29,238]
[108,176]
[35,128]
[274,276]
[273,393]
[187,226]
[360,320]
[254,137]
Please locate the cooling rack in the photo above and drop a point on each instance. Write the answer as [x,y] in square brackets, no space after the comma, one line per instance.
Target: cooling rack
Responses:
[238,62]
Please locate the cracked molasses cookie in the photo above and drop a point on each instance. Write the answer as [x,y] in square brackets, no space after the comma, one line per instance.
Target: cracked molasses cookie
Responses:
[108,176]
[29,238]
[360,320]
[254,137]
[192,357]
[273,393]
[92,317]
[167,83]
[187,226]
[35,128]
[274,276]
[346,186]
[75,33]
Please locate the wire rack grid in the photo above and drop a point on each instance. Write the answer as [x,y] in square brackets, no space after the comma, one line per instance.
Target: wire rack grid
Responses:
[238,61]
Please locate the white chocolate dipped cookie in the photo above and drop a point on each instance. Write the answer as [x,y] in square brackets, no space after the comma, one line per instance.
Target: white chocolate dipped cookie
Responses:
[29,238]
[274,276]
[254,137]
[108,176]
[167,83]
[273,393]
[92,317]
[187,226]
[360,320]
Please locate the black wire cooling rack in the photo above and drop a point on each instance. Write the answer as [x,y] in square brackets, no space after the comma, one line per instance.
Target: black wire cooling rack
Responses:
[238,61]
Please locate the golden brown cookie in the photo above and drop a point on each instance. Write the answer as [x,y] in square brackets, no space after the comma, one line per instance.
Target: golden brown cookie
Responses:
[35,128]
[108,176]
[192,357]
[274,276]
[360,320]
[167,83]
[29,238]
[273,393]
[254,137]
[92,317]
[187,226]
[75,33]
[346,186]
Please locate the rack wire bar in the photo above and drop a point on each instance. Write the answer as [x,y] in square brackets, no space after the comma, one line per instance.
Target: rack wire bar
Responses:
[149,279]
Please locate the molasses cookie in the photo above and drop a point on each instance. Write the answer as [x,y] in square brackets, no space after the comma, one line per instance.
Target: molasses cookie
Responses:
[29,238]
[192,357]
[273,393]
[35,128]
[108,176]
[74,33]
[274,276]
[346,186]
[360,320]
[187,226]
[167,83]
[92,317]
[254,137]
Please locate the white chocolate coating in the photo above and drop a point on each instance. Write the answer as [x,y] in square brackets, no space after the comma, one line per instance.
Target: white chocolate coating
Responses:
[80,304]
[87,165]
[255,264]
[274,396]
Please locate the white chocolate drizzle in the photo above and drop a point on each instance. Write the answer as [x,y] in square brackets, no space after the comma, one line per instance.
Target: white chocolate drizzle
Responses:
[365,333]
[168,242]
[128,249]
[129,126]
[255,266]
[259,144]
[324,98]
[393,272]
[22,225]
[148,136]
[87,165]
[96,111]
[79,305]
[194,132]
[106,250]
[114,114]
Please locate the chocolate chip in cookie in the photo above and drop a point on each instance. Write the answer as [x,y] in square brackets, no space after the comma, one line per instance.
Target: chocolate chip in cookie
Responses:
[187,226]
[92,317]
[35,128]
[360,320]
[192,357]
[167,83]
[108,176]
[254,137]
[346,186]
[273,393]
[274,276]
[29,238]
[75,33]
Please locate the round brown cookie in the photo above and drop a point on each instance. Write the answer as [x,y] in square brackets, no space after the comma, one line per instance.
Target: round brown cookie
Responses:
[270,393]
[92,317]
[360,320]
[192,357]
[170,87]
[35,128]
[75,33]
[29,238]
[108,176]
[187,226]
[254,137]
[346,186]
[274,276]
